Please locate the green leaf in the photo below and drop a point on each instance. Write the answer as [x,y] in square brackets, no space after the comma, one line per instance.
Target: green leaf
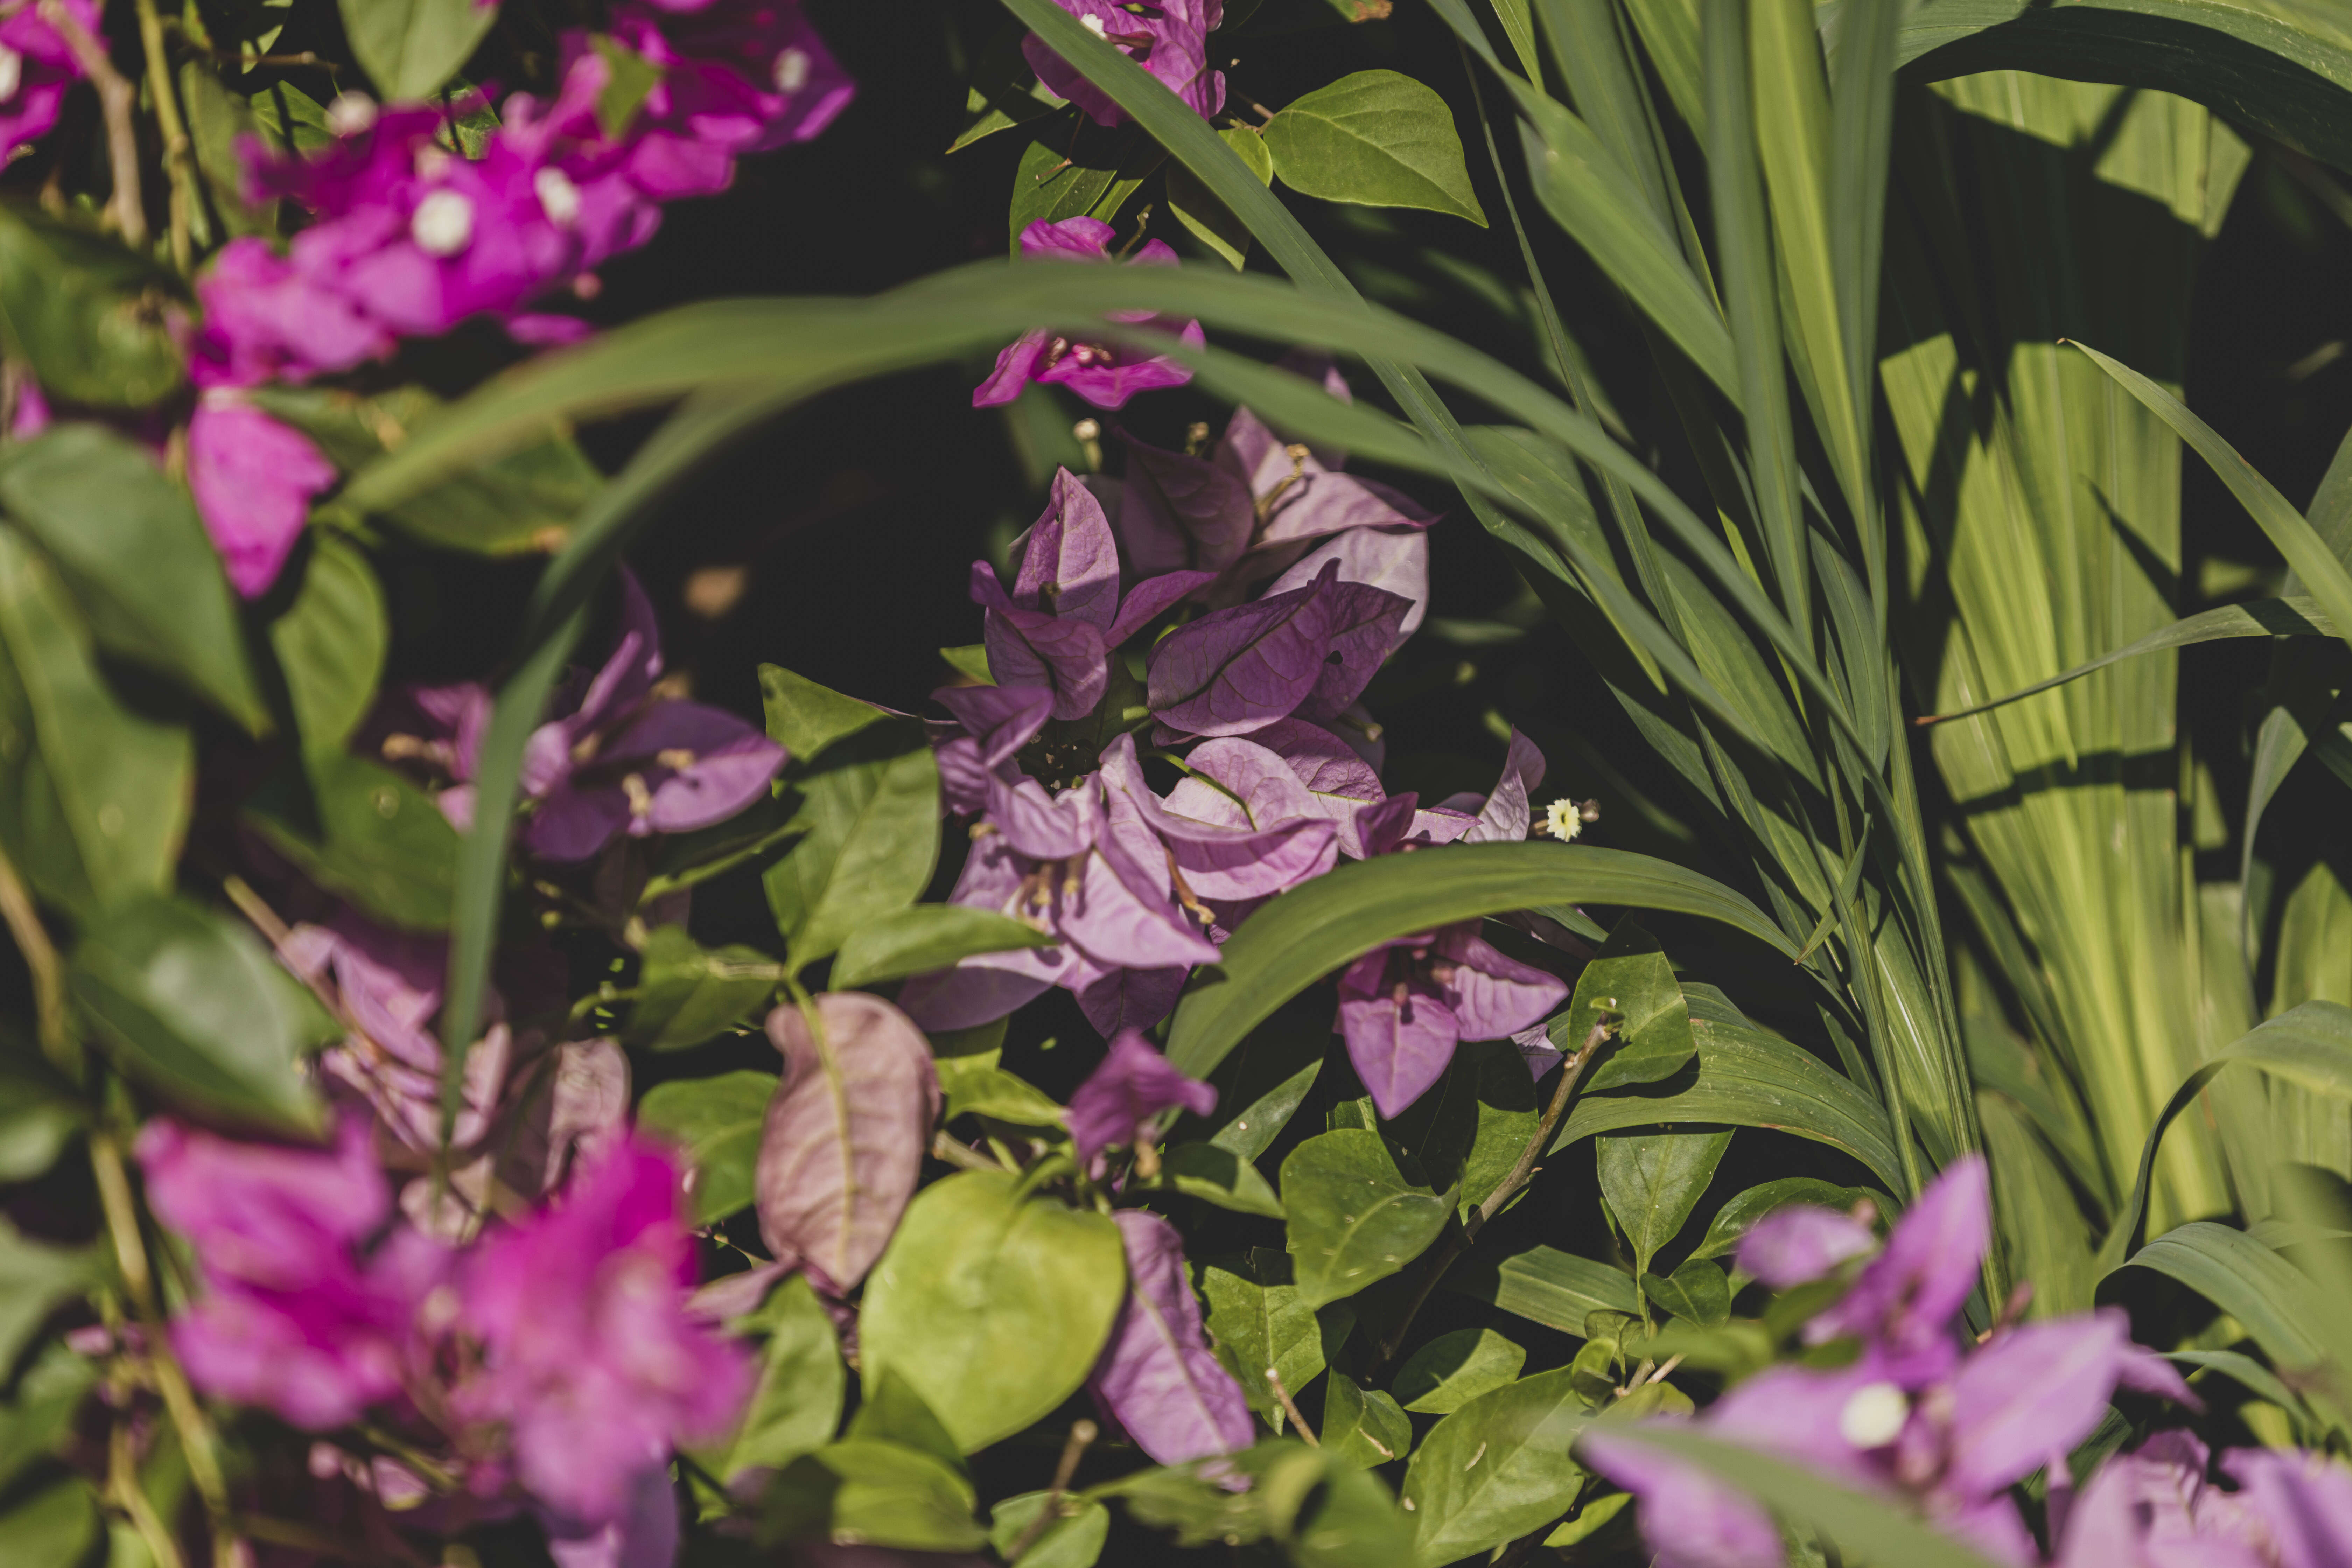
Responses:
[216,118]
[1075,1539]
[870,815]
[292,119]
[992,1307]
[687,994]
[1261,1086]
[1545,1284]
[1354,1216]
[40,1420]
[805,717]
[39,1111]
[1090,176]
[974,1085]
[91,320]
[129,543]
[1519,26]
[331,643]
[1375,139]
[1216,1175]
[1696,1292]
[365,833]
[1631,979]
[1319,928]
[892,1411]
[1592,1519]
[1652,1181]
[2270,1297]
[1209,220]
[35,1279]
[926,936]
[2325,576]
[1257,1320]
[630,79]
[53,1528]
[1864,1528]
[797,1401]
[1356,1525]
[715,1122]
[116,784]
[1496,1469]
[1471,1130]
[191,1003]
[410,47]
[861,1492]
[1362,1428]
[1004,90]
[1740,1211]
[971,661]
[1453,1369]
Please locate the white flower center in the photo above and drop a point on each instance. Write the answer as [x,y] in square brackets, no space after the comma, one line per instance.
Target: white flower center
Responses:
[1563,819]
[351,113]
[444,224]
[432,163]
[1873,1415]
[1093,25]
[792,70]
[558,197]
[12,72]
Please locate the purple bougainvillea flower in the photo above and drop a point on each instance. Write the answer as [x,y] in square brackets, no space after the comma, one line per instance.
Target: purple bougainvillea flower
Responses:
[1903,1303]
[1211,861]
[276,1215]
[1235,670]
[267,317]
[2156,1508]
[1395,559]
[1337,783]
[1404,1007]
[2301,1504]
[37,66]
[253,480]
[1400,823]
[590,1364]
[1105,374]
[1133,1084]
[999,718]
[1800,1242]
[1158,1377]
[1170,38]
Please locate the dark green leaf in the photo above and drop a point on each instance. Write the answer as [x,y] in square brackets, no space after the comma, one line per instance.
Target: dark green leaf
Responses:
[1545,1284]
[410,47]
[1496,1469]
[1004,89]
[1473,1128]
[1092,176]
[35,1279]
[1256,1320]
[331,643]
[1453,1369]
[365,833]
[2266,1293]
[1356,1525]
[1695,1292]
[970,661]
[1652,1181]
[687,994]
[797,1401]
[1354,1216]
[861,1492]
[1631,979]
[53,1528]
[805,717]
[1261,1086]
[1362,1428]
[1075,1539]
[1376,139]
[216,119]
[1216,1175]
[1742,1210]
[992,1307]
[926,936]
[191,1003]
[129,543]
[291,119]
[38,1112]
[715,1122]
[40,1420]
[1211,221]
[114,783]
[90,320]
[870,815]
[1314,929]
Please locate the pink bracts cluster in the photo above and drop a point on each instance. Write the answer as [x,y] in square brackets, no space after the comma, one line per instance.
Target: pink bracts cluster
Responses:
[408,239]
[37,65]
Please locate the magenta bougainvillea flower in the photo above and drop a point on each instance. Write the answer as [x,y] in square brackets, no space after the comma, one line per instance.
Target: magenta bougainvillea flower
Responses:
[1132,1084]
[1915,1415]
[1801,1242]
[1105,374]
[1158,1377]
[1170,38]
[37,66]
[253,480]
[1406,1004]
[1309,651]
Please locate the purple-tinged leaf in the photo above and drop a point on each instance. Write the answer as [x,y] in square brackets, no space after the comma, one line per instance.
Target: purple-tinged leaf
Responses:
[1492,997]
[1364,622]
[1131,998]
[1069,565]
[844,1142]
[1158,1377]
[1030,648]
[1150,598]
[1178,512]
[1801,1242]
[1394,559]
[1504,816]
[1132,1084]
[1040,827]
[1235,670]
[1004,718]
[976,991]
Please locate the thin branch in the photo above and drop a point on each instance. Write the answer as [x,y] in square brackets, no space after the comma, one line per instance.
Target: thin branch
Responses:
[179,159]
[117,99]
[1082,1436]
[40,954]
[1273,1382]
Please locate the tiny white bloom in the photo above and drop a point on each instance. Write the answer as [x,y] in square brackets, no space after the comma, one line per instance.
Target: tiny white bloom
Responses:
[351,113]
[1874,1416]
[1094,25]
[12,72]
[558,197]
[1563,820]
[444,224]
[432,162]
[792,70]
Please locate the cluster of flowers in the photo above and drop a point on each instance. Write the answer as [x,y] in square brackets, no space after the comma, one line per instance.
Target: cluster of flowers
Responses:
[1950,1424]
[1310,578]
[407,238]
[37,63]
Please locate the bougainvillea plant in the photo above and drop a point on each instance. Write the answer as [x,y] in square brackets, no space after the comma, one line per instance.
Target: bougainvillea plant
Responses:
[1135,940]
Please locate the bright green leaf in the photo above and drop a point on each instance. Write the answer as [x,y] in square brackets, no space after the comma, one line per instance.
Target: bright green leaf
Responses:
[870,815]
[715,1122]
[1258,1321]
[1376,139]
[926,936]
[1218,1176]
[1453,1369]
[863,1492]
[1545,1284]
[687,994]
[1209,220]
[1652,1181]
[1362,1426]
[331,643]
[1092,176]
[1696,1292]
[363,832]
[805,717]
[1631,979]
[1355,1217]
[797,1401]
[1496,1469]
[411,47]
[1074,1539]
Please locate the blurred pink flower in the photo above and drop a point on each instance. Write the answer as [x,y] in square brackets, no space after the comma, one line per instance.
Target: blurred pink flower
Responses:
[36,68]
[1105,374]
